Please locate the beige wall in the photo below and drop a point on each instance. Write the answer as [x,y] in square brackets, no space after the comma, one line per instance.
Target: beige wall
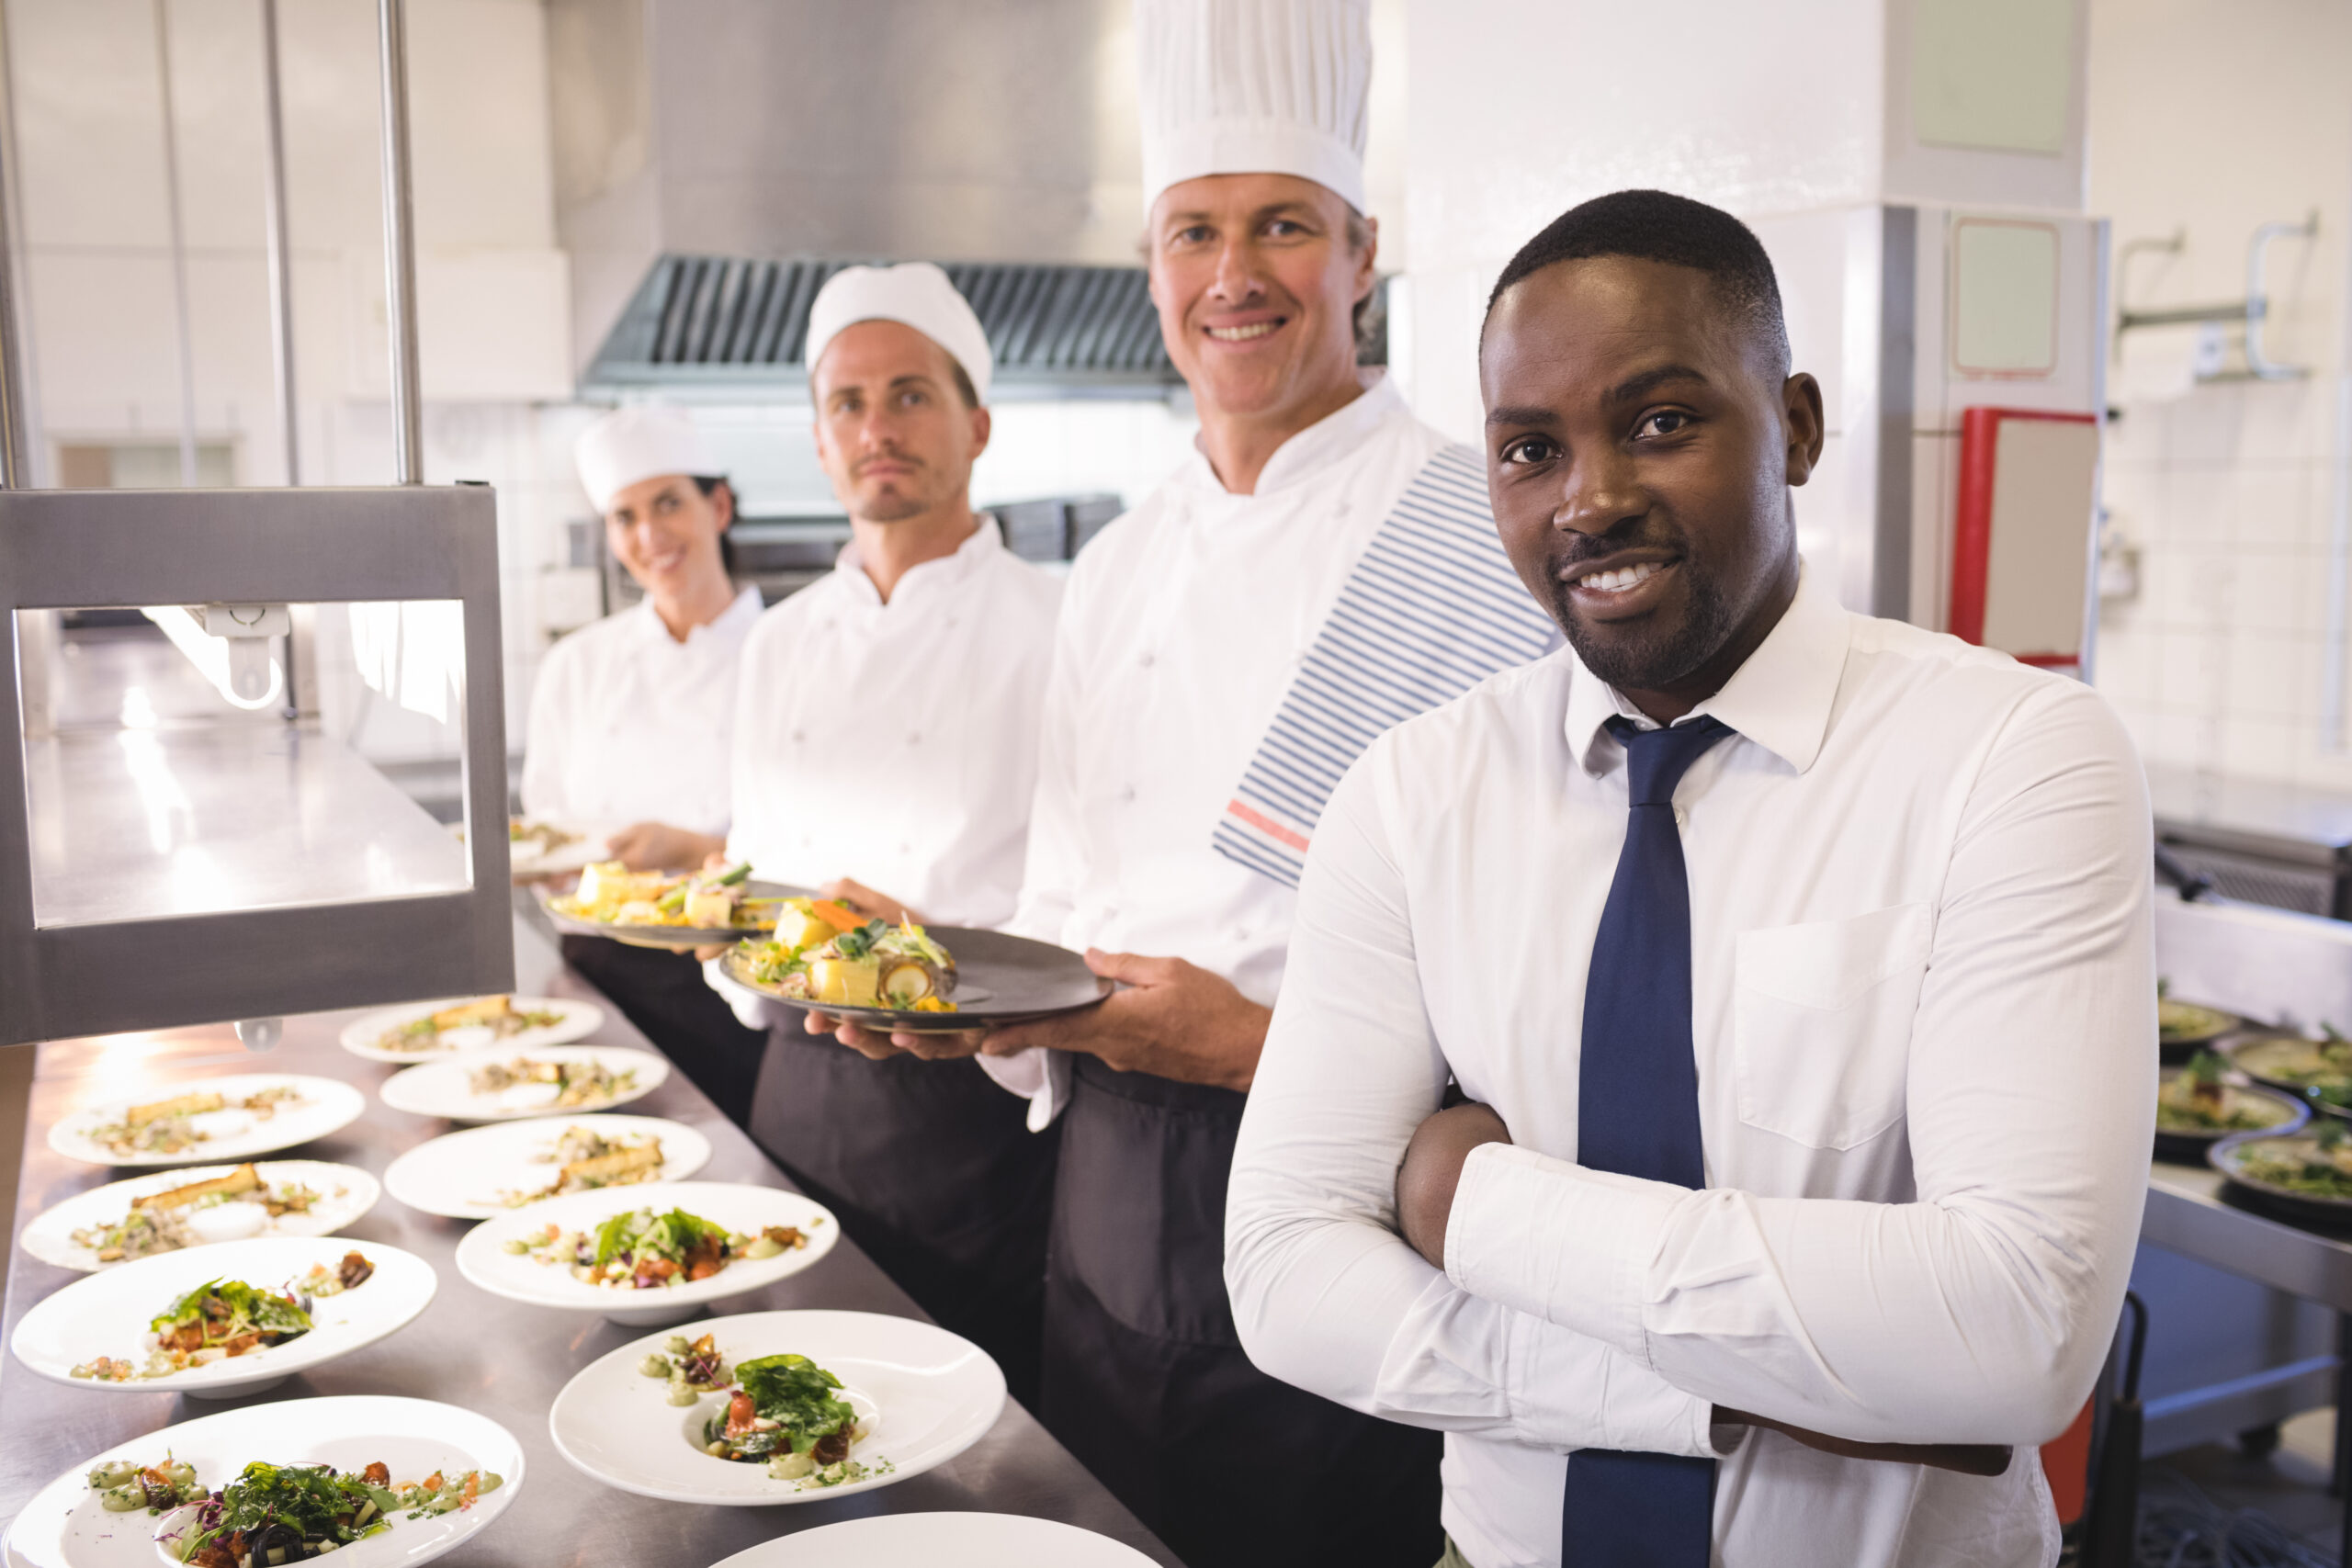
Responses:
[2213,117]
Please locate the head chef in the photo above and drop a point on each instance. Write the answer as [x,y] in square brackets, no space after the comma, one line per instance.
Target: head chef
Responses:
[631,717]
[886,736]
[1201,687]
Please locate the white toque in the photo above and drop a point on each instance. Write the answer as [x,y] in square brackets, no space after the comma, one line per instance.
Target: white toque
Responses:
[915,293]
[1254,86]
[631,444]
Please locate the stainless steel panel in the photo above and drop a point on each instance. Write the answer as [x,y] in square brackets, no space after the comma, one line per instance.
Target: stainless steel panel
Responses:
[77,548]
[501,1357]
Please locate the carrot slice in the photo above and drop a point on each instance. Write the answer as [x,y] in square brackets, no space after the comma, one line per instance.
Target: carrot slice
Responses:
[838,916]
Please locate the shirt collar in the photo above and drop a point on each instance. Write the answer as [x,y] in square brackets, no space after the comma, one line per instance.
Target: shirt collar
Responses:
[986,542]
[1333,438]
[737,617]
[1780,698]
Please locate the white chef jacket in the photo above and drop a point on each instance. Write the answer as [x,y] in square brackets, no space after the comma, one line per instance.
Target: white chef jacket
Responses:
[1186,622]
[630,725]
[897,743]
[1923,1013]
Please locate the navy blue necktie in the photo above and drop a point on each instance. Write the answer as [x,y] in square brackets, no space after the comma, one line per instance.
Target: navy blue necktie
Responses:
[1637,1112]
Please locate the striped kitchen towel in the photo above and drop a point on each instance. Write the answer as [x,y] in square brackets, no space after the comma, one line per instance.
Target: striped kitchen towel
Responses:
[1432,609]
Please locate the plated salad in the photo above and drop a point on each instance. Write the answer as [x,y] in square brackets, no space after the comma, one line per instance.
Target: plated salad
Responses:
[161,1222]
[611,895]
[276,1513]
[824,952]
[579,1083]
[497,1014]
[785,1415]
[167,1126]
[590,1160]
[2199,1099]
[2317,1165]
[2185,1023]
[641,1251]
[223,1318]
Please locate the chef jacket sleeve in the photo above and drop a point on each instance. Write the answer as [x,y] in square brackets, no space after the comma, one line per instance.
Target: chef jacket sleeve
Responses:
[1981,1311]
[1056,861]
[1325,1293]
[552,715]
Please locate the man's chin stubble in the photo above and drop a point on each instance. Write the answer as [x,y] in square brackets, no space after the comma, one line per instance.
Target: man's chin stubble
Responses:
[1647,661]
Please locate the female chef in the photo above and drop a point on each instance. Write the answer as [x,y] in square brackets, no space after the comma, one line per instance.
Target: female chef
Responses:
[633,720]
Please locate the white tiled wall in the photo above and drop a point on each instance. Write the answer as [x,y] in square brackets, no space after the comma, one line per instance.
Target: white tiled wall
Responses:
[2211,117]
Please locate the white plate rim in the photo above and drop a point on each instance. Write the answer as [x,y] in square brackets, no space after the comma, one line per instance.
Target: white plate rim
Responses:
[68,1487]
[401,1091]
[236,1372]
[402,1172]
[902,1470]
[33,1239]
[860,1539]
[480,1246]
[581,1020]
[335,1097]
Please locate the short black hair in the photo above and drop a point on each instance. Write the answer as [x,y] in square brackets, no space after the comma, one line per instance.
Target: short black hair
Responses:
[1656,225]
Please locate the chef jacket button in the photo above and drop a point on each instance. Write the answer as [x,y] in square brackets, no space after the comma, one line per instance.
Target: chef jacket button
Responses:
[914,736]
[1144,660]
[798,737]
[1127,796]
[905,849]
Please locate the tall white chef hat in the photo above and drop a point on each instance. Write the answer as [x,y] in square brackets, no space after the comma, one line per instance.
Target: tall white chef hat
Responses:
[644,442]
[916,293]
[1254,86]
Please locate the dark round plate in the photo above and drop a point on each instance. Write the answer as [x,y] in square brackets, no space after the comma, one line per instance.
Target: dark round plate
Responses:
[2189,1147]
[680,937]
[2271,1056]
[999,979]
[2180,1047]
[2309,1207]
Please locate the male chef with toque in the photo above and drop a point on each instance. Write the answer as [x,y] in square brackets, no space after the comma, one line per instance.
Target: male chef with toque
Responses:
[886,729]
[1321,567]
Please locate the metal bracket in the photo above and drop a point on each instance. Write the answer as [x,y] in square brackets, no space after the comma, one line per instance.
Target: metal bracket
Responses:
[2249,313]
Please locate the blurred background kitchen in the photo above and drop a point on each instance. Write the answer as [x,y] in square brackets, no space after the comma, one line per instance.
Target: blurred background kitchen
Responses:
[2135,210]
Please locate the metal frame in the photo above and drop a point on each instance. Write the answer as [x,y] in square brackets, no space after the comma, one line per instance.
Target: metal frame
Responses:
[71,549]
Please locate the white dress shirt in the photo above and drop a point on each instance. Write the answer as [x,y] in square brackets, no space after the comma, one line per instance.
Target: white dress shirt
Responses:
[630,725]
[897,743]
[1186,622]
[1923,1014]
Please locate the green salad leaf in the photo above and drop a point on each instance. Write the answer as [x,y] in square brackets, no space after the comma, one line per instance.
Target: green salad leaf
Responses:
[797,1393]
[313,1499]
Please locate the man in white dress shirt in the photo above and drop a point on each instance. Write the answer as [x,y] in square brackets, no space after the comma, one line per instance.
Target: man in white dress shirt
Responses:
[887,728]
[1912,946]
[631,719]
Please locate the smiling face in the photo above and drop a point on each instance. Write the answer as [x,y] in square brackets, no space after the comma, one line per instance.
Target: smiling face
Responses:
[894,430]
[666,532]
[1641,438]
[1256,280]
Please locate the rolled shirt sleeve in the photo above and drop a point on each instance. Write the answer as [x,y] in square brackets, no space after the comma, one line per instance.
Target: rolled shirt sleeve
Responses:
[1325,1294]
[1981,1311]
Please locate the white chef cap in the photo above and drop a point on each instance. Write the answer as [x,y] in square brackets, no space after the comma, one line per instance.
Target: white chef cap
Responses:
[1254,86]
[631,444]
[916,293]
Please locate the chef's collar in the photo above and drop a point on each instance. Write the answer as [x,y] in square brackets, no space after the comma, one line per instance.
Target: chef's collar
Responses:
[1780,698]
[1334,437]
[924,578]
[736,617]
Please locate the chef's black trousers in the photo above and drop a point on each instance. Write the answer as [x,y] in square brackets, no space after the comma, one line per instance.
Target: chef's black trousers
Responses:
[664,995]
[1146,1380]
[931,1169]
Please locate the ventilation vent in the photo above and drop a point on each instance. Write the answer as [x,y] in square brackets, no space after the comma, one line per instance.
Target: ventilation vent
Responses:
[719,320]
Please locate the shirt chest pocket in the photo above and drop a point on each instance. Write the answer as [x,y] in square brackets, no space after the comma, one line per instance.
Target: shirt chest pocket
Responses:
[1821,1023]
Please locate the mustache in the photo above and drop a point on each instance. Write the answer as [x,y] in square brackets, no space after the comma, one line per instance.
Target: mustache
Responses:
[1634,534]
[888,455]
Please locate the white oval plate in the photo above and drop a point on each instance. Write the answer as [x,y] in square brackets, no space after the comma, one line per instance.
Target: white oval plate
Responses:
[345,1191]
[365,1035]
[584,851]
[461,1174]
[482,1256]
[924,1541]
[107,1314]
[445,1087]
[327,1106]
[64,1527]
[924,1394]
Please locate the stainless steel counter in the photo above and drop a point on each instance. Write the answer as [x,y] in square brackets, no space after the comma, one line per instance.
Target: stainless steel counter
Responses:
[501,1357]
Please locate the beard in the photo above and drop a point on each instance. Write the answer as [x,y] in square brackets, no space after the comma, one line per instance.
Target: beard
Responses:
[1652,654]
[895,507]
